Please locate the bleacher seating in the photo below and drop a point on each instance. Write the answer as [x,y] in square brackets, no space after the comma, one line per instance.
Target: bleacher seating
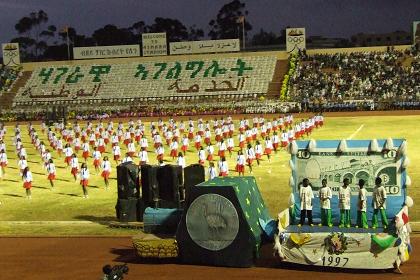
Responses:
[382,76]
[161,79]
[7,77]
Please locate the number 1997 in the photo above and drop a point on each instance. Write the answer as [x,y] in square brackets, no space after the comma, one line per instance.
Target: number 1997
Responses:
[334,261]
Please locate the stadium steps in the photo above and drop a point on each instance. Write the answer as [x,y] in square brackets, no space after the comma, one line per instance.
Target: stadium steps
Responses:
[6,100]
[21,81]
[274,86]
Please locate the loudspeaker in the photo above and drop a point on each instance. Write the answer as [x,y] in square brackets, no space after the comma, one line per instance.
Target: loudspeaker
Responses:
[127,210]
[56,114]
[128,180]
[169,178]
[140,209]
[193,175]
[149,185]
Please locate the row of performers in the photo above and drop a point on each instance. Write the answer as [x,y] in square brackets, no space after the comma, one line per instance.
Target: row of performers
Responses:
[344,197]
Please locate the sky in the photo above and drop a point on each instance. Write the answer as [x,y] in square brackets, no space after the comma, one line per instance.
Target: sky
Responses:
[330,18]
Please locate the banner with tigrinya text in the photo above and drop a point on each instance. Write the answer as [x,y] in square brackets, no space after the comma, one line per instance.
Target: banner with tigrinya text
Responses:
[106,51]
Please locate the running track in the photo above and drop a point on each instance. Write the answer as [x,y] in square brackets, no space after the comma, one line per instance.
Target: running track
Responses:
[83,257]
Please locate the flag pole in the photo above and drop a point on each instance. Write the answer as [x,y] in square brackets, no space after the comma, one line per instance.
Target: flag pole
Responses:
[243,33]
[68,43]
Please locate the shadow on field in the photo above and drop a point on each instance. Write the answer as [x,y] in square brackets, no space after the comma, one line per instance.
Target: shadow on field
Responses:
[39,187]
[69,194]
[63,180]
[31,161]
[102,220]
[11,180]
[38,173]
[12,195]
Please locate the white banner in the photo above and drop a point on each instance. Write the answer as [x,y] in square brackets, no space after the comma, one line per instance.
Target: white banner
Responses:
[349,250]
[208,46]
[416,32]
[295,39]
[106,51]
[11,56]
[181,47]
[353,248]
[154,44]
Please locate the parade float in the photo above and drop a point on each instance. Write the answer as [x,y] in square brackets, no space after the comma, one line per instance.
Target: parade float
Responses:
[347,247]
[227,215]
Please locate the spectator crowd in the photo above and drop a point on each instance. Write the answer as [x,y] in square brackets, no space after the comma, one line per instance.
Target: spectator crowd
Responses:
[379,76]
[320,82]
[167,108]
[7,76]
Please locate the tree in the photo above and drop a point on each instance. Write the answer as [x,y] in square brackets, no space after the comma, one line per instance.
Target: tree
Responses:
[56,52]
[194,33]
[59,51]
[49,33]
[67,30]
[138,28]
[112,35]
[344,43]
[264,38]
[283,35]
[38,19]
[25,46]
[175,30]
[24,25]
[68,36]
[31,26]
[227,24]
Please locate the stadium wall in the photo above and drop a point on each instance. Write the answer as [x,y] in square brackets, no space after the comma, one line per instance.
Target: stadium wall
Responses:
[361,49]
[32,65]
[281,55]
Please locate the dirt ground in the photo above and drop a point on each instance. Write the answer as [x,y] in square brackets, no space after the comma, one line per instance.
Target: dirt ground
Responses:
[84,257]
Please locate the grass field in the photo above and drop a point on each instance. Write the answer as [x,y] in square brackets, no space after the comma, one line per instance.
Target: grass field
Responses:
[65,202]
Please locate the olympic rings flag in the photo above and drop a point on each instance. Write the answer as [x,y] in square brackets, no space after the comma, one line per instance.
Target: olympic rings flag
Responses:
[11,56]
[295,39]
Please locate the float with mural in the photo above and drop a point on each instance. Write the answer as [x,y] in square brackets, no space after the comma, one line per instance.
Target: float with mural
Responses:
[383,246]
[227,215]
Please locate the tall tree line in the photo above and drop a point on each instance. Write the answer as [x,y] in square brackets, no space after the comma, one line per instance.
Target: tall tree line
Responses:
[40,40]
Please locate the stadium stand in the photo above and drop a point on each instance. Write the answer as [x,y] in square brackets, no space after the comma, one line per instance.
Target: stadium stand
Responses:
[340,81]
[7,77]
[266,82]
[184,79]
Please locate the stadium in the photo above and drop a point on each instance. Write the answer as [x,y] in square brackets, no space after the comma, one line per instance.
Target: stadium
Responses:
[125,149]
